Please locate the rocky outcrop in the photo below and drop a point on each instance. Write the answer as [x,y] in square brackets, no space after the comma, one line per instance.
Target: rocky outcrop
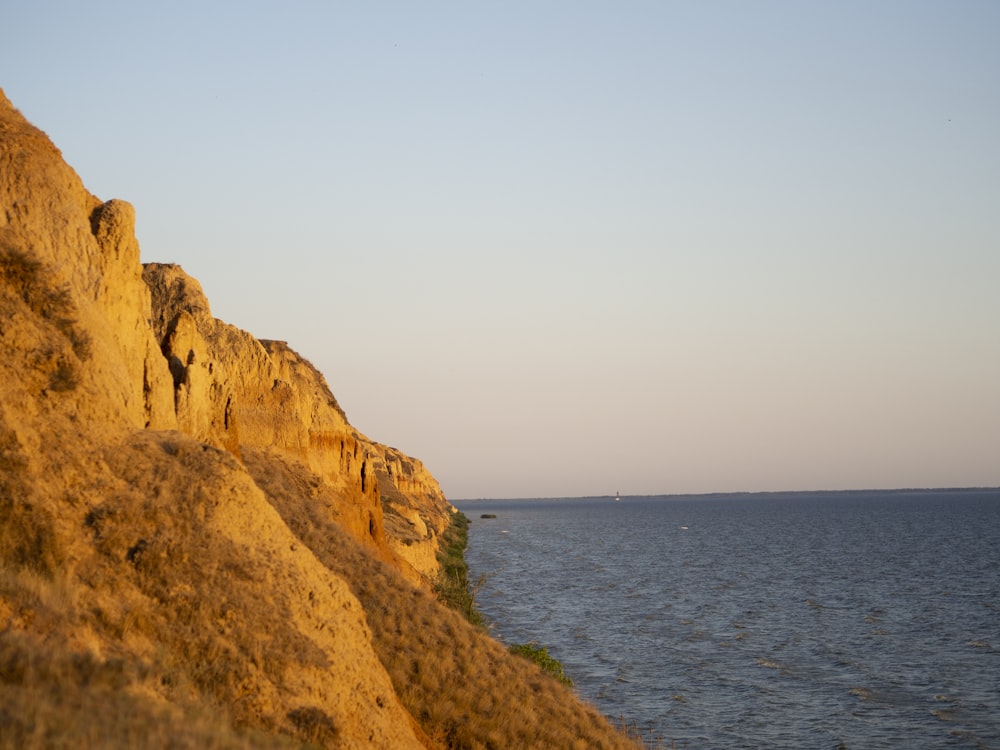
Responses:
[76,260]
[237,392]
[414,518]
[124,301]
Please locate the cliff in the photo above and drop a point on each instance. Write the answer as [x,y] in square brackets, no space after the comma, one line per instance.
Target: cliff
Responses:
[197,549]
[248,396]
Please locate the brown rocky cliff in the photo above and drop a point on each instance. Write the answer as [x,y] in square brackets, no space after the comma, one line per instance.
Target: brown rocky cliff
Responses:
[238,393]
[155,356]
[85,253]
[98,482]
[415,517]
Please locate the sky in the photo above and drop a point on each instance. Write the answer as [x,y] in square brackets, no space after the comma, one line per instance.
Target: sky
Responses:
[571,248]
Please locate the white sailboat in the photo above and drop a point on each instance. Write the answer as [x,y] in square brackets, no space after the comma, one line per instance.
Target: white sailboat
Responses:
[618,497]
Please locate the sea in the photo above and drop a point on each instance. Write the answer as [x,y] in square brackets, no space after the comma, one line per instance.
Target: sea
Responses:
[866,619]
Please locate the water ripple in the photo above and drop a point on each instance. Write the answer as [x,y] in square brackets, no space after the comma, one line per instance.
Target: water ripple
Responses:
[783,621]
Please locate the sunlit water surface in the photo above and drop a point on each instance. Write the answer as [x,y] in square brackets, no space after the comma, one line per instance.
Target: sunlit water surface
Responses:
[814,620]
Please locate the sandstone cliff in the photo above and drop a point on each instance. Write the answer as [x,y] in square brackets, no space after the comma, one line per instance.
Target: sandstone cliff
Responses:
[243,394]
[197,549]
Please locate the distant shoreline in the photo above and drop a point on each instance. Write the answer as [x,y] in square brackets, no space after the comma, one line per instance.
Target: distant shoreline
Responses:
[733,494]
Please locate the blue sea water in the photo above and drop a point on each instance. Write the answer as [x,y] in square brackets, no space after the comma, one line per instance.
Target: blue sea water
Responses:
[784,620]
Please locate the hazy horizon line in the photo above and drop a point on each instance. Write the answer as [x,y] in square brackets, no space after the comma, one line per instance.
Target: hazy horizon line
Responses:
[730,493]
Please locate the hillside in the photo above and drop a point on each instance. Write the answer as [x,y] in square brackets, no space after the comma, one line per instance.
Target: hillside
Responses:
[197,549]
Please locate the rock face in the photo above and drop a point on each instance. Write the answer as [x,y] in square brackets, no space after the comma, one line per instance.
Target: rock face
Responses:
[236,392]
[85,281]
[197,549]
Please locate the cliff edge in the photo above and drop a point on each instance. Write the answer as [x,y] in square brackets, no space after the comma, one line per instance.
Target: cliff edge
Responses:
[197,549]
[260,400]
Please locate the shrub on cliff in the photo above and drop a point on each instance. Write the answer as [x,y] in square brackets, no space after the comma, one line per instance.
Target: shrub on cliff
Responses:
[540,655]
[452,585]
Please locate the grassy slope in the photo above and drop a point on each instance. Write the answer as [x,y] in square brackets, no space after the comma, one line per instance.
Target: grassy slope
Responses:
[89,655]
[126,620]
[462,686]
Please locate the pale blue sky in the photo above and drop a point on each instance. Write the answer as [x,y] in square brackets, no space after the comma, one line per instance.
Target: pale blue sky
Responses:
[569,248]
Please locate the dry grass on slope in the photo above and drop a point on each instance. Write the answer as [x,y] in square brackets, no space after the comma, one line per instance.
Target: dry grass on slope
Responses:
[73,669]
[462,686]
[256,622]
[52,695]
[184,614]
[58,347]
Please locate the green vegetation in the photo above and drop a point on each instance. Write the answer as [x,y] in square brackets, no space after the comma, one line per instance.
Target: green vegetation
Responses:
[452,585]
[454,589]
[540,655]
